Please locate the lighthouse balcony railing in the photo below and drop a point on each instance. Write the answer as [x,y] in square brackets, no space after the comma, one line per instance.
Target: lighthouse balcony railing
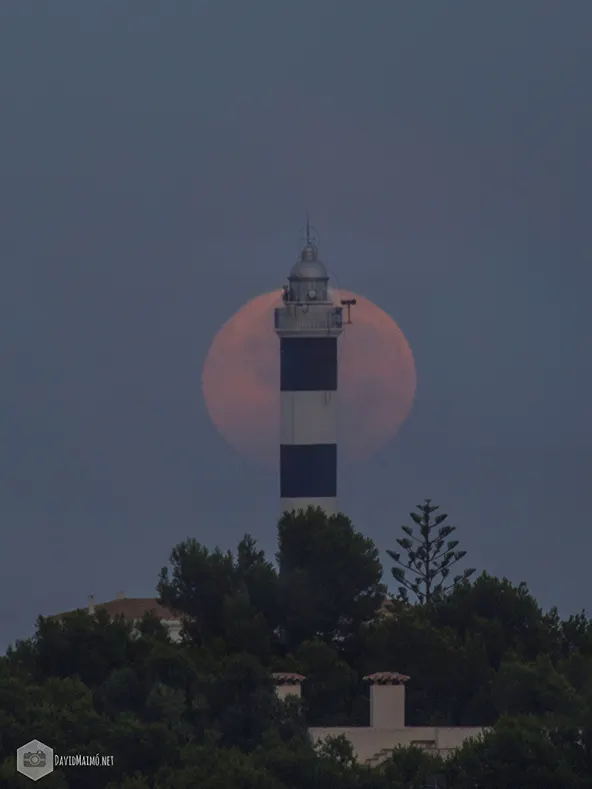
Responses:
[300,321]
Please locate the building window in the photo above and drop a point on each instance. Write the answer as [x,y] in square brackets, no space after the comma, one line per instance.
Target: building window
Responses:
[425,744]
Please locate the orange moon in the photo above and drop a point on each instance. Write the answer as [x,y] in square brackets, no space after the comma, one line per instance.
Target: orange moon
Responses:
[240,380]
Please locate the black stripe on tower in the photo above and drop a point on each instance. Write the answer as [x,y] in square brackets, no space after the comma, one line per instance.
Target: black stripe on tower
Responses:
[308,471]
[308,364]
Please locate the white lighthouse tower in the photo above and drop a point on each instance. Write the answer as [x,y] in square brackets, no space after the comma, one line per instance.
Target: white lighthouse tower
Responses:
[308,325]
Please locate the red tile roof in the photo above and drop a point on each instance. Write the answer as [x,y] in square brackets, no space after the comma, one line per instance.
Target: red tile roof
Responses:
[287,678]
[387,678]
[131,608]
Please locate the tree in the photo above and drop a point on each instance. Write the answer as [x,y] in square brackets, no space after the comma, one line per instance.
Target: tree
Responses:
[200,582]
[217,768]
[412,768]
[331,684]
[203,712]
[534,689]
[431,561]
[504,616]
[89,646]
[517,752]
[234,599]
[450,678]
[329,577]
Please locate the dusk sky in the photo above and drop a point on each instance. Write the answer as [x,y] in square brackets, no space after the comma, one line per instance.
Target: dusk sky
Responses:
[156,163]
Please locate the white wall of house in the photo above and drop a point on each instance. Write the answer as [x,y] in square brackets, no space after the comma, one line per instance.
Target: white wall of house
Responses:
[172,625]
[372,744]
[284,691]
[387,729]
[387,706]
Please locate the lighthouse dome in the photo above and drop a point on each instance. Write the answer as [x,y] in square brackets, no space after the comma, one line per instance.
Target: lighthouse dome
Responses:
[309,266]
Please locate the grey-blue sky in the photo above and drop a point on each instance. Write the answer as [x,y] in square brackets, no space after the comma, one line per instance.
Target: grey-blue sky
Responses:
[156,160]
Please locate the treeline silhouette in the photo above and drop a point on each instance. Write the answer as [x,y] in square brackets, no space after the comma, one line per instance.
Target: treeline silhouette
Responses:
[203,713]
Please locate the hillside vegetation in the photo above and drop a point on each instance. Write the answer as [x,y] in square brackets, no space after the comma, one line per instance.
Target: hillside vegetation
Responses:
[202,714]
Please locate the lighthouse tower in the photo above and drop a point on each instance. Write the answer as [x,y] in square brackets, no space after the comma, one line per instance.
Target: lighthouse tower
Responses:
[308,325]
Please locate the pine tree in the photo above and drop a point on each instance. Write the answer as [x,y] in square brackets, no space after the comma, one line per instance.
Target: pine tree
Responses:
[429,557]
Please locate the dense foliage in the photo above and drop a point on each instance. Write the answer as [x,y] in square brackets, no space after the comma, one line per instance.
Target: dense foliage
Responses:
[203,713]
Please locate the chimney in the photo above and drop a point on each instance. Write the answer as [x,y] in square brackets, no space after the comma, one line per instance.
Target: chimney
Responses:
[91,604]
[120,596]
[387,700]
[287,684]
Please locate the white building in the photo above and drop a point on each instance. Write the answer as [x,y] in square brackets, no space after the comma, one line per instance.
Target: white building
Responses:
[132,609]
[387,729]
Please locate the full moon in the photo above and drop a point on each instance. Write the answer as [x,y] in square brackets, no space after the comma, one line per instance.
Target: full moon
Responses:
[240,380]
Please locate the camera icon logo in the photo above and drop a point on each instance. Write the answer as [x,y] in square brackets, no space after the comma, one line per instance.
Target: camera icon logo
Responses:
[34,760]
[37,759]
